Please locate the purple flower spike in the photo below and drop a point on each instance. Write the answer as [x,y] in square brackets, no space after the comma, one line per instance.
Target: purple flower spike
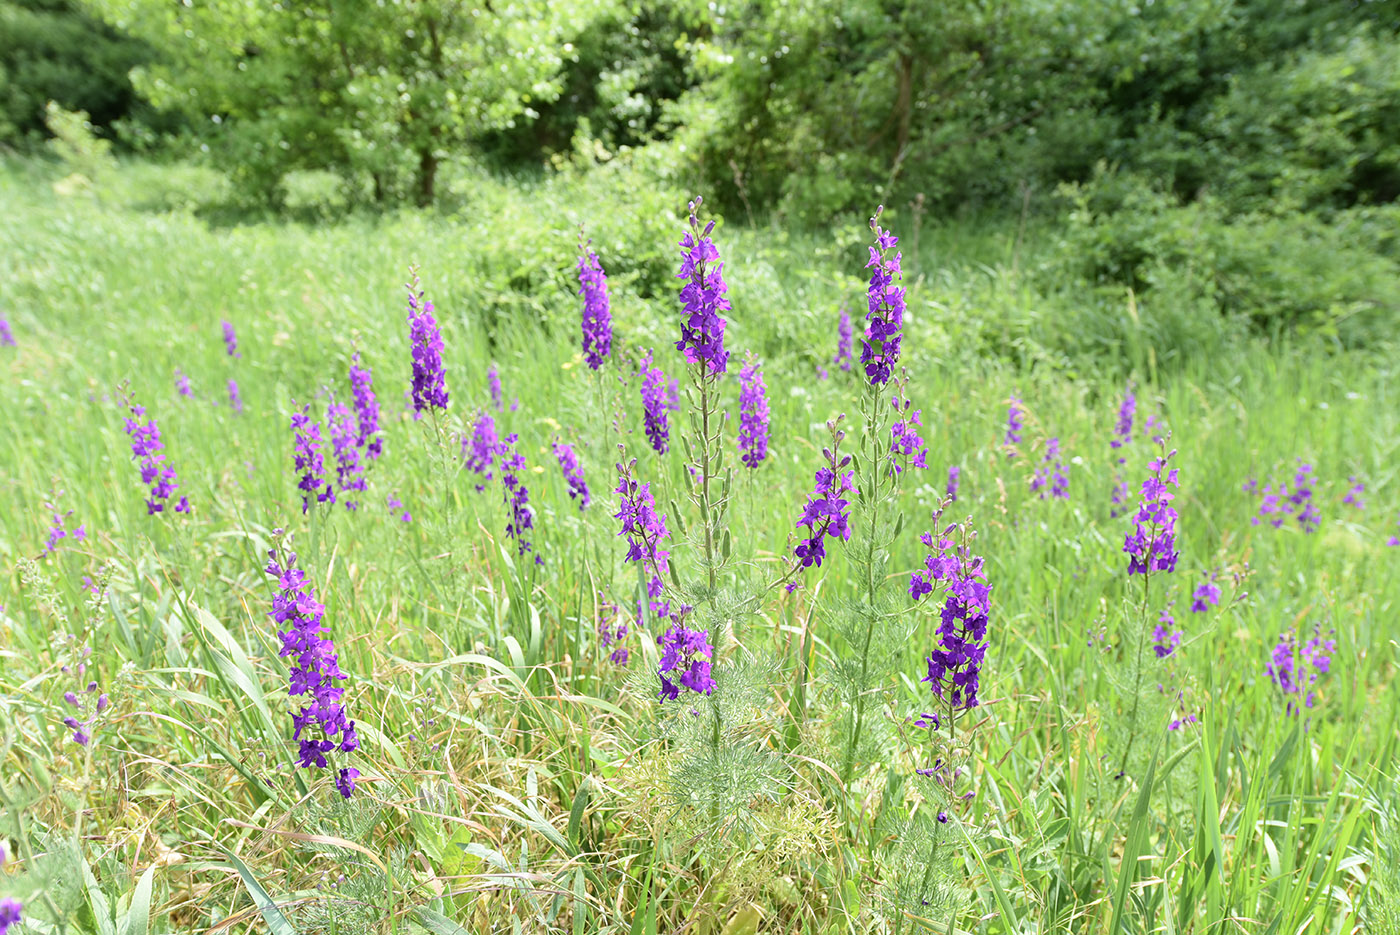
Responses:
[146,446]
[1014,424]
[885,320]
[954,472]
[1052,477]
[844,335]
[349,469]
[517,497]
[7,337]
[429,378]
[573,473]
[688,652]
[597,317]
[1151,546]
[753,414]
[658,396]
[1296,670]
[905,441]
[1353,496]
[702,329]
[1165,639]
[366,409]
[479,452]
[230,340]
[1207,595]
[827,513]
[1123,428]
[493,379]
[235,399]
[644,529]
[955,665]
[613,629]
[310,460]
[182,383]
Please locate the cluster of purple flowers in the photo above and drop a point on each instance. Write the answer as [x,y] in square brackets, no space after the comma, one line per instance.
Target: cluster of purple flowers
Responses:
[955,665]
[844,335]
[905,441]
[597,317]
[57,530]
[517,497]
[954,472]
[1165,640]
[86,707]
[1052,476]
[1206,596]
[349,469]
[182,384]
[702,296]
[885,297]
[644,529]
[1014,423]
[395,504]
[1353,496]
[429,378]
[235,399]
[688,652]
[658,396]
[310,460]
[1296,670]
[493,383]
[753,414]
[366,409]
[613,629]
[147,447]
[1122,435]
[480,450]
[827,514]
[573,472]
[230,340]
[316,672]
[7,337]
[1151,546]
[1275,506]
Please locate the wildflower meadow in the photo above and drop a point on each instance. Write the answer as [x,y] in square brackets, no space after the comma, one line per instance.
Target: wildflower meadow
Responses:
[592,560]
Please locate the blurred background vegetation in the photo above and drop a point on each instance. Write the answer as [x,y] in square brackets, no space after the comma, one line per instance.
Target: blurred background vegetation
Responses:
[1242,155]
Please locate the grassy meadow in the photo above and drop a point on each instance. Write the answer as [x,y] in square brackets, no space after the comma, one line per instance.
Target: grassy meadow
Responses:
[513,778]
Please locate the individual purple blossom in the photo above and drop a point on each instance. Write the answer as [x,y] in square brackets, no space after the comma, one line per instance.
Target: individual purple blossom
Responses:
[235,398]
[1165,639]
[1296,670]
[517,497]
[349,469]
[1151,545]
[1051,478]
[702,296]
[493,382]
[657,397]
[182,383]
[1207,595]
[753,414]
[613,629]
[366,409]
[230,340]
[907,447]
[687,652]
[11,910]
[7,337]
[955,664]
[954,472]
[480,450]
[1014,424]
[644,529]
[1353,496]
[310,460]
[885,297]
[827,513]
[844,334]
[597,317]
[147,447]
[573,472]
[315,672]
[429,378]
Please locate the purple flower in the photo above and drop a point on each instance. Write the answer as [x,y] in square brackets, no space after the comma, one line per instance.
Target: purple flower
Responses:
[182,383]
[517,497]
[146,446]
[702,329]
[573,472]
[235,399]
[885,296]
[395,504]
[1165,640]
[1123,428]
[1276,504]
[1353,496]
[613,629]
[955,665]
[315,672]
[57,531]
[1296,671]
[644,529]
[309,459]
[7,337]
[11,910]
[479,452]
[753,413]
[349,469]
[230,340]
[1207,595]
[429,378]
[688,652]
[657,397]
[1014,424]
[1052,477]
[493,380]
[905,440]
[1156,429]
[597,318]
[1394,540]
[1151,546]
[827,513]
[366,409]
[953,474]
[843,356]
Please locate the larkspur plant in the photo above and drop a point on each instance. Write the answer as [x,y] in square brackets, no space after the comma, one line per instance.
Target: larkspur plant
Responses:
[827,512]
[235,398]
[57,526]
[597,314]
[1165,639]
[1014,424]
[7,336]
[754,417]
[1278,502]
[517,497]
[644,530]
[955,664]
[429,378]
[148,449]
[687,652]
[613,630]
[1353,495]
[1295,669]
[573,472]
[349,469]
[309,459]
[702,329]
[1122,436]
[83,708]
[493,381]
[230,339]
[320,725]
[1206,595]
[479,451]
[657,399]
[182,383]
[1051,478]
[885,298]
[844,335]
[366,409]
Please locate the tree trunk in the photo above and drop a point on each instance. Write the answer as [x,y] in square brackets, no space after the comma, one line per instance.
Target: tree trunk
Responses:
[427,176]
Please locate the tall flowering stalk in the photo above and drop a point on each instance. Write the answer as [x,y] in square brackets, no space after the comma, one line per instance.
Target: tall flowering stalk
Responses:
[844,335]
[702,329]
[320,724]
[310,460]
[479,451]
[1122,436]
[230,340]
[885,298]
[827,513]
[597,316]
[645,530]
[366,409]
[754,418]
[573,472]
[1015,421]
[148,449]
[349,469]
[517,497]
[429,378]
[493,380]
[1051,478]
[658,397]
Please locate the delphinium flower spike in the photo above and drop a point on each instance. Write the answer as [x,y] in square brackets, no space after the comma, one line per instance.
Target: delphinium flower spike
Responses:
[827,513]
[235,399]
[349,469]
[955,664]
[310,460]
[885,298]
[1051,478]
[907,448]
[1353,495]
[182,383]
[147,448]
[517,497]
[316,671]
[230,340]
[954,472]
[1151,545]
[493,381]
[645,530]
[480,450]
[1296,670]
[1165,639]
[1014,423]
[7,336]
[84,705]
[57,532]
[702,328]
[658,396]
[429,378]
[1207,595]
[573,472]
[687,652]
[844,335]
[597,317]
[11,914]
[366,409]
[612,630]
[753,414]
